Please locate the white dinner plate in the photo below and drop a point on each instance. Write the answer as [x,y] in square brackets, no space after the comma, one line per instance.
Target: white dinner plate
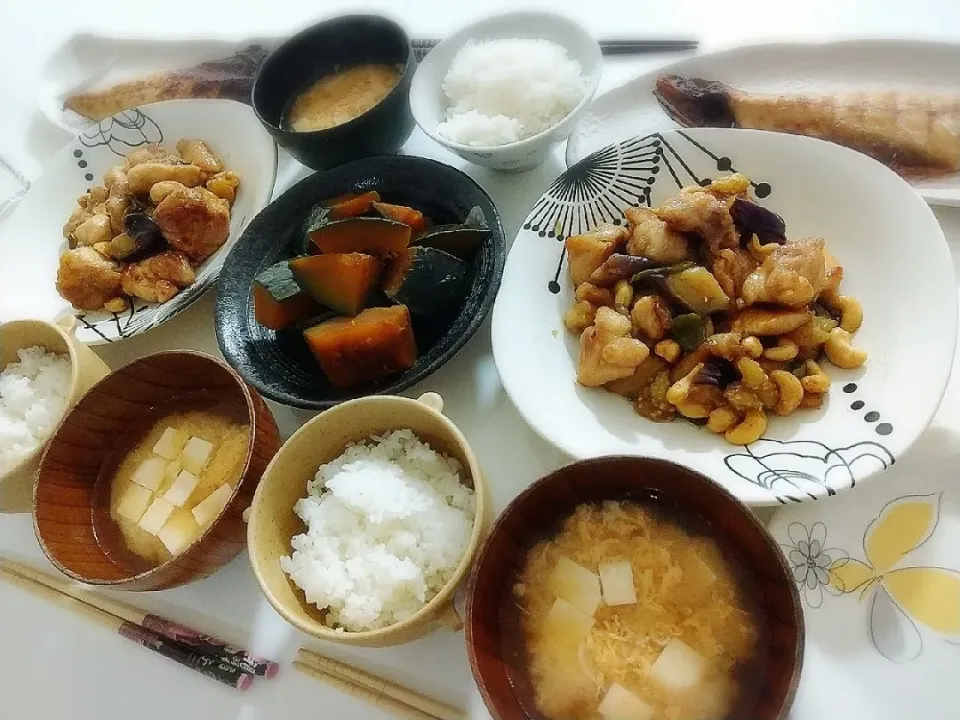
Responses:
[896,262]
[879,575]
[33,240]
[631,109]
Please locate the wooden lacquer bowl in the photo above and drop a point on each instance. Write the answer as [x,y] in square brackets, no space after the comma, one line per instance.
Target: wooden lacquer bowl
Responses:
[496,656]
[65,500]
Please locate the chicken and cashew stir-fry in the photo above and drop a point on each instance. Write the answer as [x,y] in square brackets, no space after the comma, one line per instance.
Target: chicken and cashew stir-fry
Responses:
[143,233]
[702,308]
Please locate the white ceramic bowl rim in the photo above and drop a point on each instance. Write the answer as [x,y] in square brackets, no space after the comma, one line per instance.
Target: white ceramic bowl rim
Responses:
[460,38]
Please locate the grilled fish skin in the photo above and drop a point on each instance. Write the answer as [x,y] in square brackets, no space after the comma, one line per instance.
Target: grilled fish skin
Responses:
[230,78]
[915,134]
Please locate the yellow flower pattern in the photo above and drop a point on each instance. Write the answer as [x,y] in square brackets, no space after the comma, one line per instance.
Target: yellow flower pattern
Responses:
[901,595]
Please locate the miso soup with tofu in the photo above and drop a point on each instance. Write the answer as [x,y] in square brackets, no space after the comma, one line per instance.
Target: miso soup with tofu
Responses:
[170,478]
[626,614]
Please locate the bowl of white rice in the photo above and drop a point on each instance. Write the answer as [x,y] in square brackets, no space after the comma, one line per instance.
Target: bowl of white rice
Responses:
[44,371]
[505,91]
[367,521]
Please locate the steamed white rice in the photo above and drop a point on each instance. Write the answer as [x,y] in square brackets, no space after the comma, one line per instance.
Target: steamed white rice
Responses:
[387,524]
[33,397]
[502,91]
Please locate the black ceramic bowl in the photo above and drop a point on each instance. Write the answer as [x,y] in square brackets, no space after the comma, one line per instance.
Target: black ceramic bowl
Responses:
[279,364]
[322,49]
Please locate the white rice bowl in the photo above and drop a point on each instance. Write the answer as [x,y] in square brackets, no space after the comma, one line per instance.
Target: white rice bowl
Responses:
[503,91]
[33,398]
[388,521]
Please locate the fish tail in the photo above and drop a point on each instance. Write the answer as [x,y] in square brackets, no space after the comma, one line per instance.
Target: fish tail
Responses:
[693,102]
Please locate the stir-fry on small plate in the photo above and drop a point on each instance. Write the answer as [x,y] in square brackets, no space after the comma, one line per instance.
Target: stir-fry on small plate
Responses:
[860,410]
[129,224]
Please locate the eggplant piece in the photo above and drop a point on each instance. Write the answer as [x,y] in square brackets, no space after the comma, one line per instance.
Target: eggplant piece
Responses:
[752,219]
[689,330]
[619,267]
[144,232]
[717,372]
[660,273]
[696,289]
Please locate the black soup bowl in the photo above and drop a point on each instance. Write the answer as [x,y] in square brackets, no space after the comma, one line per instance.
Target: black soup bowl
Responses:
[323,49]
[279,364]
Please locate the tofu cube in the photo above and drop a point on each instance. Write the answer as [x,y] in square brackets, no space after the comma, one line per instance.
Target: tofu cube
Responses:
[156,516]
[616,579]
[566,624]
[149,473]
[679,667]
[169,445]
[179,492]
[195,454]
[134,502]
[207,510]
[575,584]
[173,470]
[621,704]
[179,532]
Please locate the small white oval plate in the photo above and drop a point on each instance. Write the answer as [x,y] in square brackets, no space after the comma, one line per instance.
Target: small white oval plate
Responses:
[896,262]
[33,240]
[631,109]
[879,575]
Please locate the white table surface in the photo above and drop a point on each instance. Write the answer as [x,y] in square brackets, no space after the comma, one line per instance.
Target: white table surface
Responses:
[53,665]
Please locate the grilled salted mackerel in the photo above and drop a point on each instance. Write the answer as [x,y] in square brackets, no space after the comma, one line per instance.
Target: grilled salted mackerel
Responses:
[915,134]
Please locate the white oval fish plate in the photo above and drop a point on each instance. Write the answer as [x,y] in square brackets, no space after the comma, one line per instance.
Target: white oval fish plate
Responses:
[32,240]
[631,109]
[896,262]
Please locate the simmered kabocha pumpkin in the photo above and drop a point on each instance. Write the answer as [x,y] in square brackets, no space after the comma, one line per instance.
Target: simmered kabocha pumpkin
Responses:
[372,235]
[430,282]
[341,281]
[350,204]
[362,349]
[278,300]
[401,213]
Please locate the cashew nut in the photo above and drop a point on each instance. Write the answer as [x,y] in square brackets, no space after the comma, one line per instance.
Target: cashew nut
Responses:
[851,313]
[753,375]
[790,390]
[623,295]
[841,353]
[784,351]
[721,420]
[752,345]
[749,430]
[678,396]
[669,350]
[816,380]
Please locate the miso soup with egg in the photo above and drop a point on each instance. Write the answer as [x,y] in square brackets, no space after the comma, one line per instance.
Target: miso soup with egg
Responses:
[340,96]
[170,478]
[626,614]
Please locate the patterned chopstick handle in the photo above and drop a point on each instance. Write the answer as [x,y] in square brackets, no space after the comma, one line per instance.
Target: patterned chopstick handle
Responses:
[214,647]
[187,656]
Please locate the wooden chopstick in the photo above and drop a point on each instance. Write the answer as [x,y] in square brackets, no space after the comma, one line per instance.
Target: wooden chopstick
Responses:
[381,686]
[182,654]
[608,46]
[384,702]
[222,651]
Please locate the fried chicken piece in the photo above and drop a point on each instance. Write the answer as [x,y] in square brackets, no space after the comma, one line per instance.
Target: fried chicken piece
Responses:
[194,221]
[86,279]
[93,230]
[792,275]
[196,152]
[731,267]
[650,237]
[607,352]
[698,211]
[152,153]
[224,184]
[144,176]
[586,252]
[158,278]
